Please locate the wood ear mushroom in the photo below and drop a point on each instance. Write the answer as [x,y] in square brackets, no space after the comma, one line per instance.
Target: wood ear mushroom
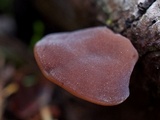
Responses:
[94,64]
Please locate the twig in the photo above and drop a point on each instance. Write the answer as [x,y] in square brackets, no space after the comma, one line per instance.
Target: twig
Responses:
[46,113]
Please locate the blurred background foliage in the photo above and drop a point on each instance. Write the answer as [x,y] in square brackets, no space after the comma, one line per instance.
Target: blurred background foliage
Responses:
[33,19]
[6,6]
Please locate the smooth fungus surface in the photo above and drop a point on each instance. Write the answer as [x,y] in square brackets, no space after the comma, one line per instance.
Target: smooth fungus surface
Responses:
[94,64]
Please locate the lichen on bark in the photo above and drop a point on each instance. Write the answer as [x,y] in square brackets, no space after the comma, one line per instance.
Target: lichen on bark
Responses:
[138,20]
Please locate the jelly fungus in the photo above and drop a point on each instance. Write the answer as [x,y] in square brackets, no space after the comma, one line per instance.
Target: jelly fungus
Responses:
[94,64]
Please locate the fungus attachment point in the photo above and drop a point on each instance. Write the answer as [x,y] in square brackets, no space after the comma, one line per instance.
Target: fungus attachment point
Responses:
[94,64]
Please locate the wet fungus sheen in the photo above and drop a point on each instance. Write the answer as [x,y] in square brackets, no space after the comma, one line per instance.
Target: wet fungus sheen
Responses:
[94,64]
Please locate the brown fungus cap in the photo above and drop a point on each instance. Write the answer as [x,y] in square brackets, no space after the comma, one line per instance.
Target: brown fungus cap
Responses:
[94,64]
